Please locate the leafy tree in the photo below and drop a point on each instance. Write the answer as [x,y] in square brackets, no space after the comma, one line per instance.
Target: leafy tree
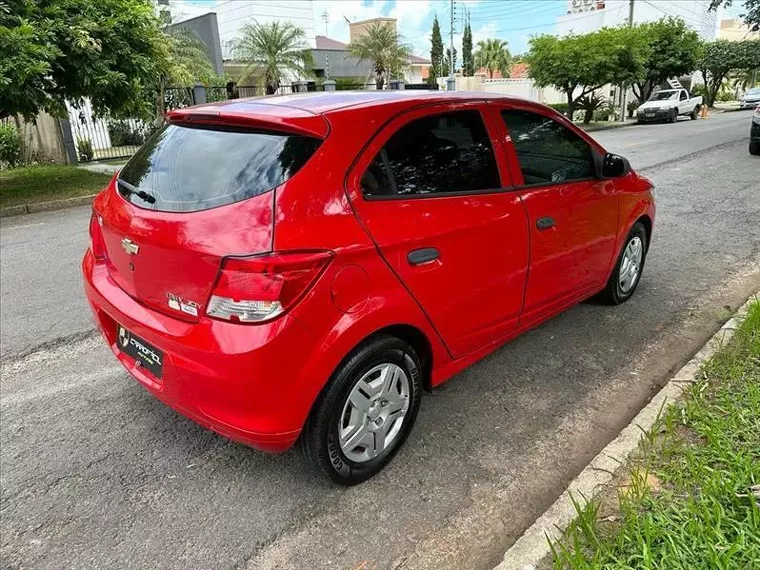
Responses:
[751,15]
[382,45]
[720,58]
[673,51]
[447,60]
[436,52]
[106,50]
[468,64]
[580,64]
[272,49]
[494,55]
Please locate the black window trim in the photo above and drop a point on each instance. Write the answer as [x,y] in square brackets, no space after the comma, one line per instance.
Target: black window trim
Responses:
[431,196]
[595,155]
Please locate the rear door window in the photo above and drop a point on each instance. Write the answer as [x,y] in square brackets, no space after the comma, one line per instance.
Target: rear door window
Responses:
[437,154]
[548,152]
[189,168]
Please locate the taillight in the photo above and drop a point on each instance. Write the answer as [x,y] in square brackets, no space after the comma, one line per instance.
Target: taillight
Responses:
[96,236]
[256,289]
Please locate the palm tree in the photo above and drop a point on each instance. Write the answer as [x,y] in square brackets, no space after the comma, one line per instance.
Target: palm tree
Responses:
[272,49]
[493,54]
[185,62]
[381,44]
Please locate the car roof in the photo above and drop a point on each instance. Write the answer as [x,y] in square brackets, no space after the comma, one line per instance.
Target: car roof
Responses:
[326,102]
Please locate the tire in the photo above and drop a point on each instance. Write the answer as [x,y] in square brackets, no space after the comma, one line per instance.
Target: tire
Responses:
[616,292]
[694,114]
[754,148]
[382,356]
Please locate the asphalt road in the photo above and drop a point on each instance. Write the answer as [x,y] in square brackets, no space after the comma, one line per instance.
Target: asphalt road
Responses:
[95,473]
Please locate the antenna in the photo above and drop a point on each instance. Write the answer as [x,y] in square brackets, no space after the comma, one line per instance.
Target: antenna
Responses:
[326,19]
[346,19]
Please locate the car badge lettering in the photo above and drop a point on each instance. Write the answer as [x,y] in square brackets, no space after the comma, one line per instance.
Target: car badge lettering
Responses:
[184,305]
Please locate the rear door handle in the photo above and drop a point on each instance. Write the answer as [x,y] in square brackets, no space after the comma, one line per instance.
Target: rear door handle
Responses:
[545,223]
[424,255]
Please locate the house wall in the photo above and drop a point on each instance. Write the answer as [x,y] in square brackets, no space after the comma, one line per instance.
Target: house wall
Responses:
[524,88]
[341,63]
[205,27]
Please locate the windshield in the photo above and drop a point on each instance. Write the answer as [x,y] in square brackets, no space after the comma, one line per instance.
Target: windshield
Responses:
[664,95]
[754,91]
[186,169]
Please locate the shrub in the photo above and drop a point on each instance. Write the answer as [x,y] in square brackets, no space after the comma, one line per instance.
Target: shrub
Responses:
[122,134]
[559,107]
[607,113]
[632,106]
[84,149]
[589,104]
[10,145]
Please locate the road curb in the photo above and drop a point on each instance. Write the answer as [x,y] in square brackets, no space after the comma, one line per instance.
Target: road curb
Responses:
[533,546]
[46,206]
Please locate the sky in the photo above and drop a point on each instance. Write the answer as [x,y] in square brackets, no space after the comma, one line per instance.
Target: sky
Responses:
[511,20]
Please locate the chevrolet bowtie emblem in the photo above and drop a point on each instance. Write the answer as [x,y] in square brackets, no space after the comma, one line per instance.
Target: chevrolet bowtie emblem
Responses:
[129,246]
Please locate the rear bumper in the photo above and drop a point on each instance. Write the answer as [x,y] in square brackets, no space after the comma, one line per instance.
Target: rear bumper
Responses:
[236,380]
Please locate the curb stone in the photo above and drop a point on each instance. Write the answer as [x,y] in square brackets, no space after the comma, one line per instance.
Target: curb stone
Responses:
[46,206]
[533,546]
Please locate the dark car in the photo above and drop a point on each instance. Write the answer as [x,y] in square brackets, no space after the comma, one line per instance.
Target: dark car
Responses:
[754,133]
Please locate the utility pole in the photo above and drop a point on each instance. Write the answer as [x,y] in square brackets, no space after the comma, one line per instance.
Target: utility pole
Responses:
[451,83]
[623,88]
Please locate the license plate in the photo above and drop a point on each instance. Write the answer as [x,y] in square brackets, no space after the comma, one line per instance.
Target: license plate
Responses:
[144,353]
[649,113]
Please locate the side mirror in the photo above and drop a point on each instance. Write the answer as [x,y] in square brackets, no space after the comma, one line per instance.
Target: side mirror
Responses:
[615,166]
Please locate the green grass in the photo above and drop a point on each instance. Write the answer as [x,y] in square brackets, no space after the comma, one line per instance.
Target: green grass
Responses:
[691,498]
[42,182]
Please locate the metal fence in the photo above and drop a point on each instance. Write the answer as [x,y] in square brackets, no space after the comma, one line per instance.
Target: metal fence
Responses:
[103,138]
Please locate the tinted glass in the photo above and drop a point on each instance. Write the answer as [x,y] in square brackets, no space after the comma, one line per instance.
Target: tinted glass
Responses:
[186,169]
[438,154]
[684,96]
[548,152]
[663,95]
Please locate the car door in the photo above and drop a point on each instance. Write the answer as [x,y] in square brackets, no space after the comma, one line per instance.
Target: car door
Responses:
[573,215]
[433,192]
[683,103]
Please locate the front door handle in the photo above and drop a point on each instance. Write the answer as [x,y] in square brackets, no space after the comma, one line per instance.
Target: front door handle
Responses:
[545,223]
[424,255]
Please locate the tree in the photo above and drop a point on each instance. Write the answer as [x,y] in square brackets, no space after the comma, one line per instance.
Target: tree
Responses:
[578,65]
[751,15]
[185,61]
[271,51]
[673,51]
[493,55]
[447,61]
[382,45]
[468,65]
[436,52]
[104,50]
[721,57]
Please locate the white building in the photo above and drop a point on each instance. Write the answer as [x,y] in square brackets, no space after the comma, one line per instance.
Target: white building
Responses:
[585,16]
[232,15]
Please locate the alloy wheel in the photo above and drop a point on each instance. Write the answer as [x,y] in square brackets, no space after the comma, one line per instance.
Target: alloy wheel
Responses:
[630,265]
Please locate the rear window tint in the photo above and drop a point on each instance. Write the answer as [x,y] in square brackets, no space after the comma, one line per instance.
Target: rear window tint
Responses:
[189,168]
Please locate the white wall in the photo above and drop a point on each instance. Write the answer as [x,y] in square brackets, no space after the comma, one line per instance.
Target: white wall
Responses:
[694,12]
[232,16]
[524,88]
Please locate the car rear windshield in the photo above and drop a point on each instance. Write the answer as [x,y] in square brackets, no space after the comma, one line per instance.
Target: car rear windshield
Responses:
[184,168]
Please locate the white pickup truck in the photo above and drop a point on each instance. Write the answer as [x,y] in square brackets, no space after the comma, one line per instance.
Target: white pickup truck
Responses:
[667,105]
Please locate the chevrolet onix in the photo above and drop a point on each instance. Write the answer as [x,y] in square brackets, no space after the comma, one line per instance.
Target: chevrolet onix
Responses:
[302,267]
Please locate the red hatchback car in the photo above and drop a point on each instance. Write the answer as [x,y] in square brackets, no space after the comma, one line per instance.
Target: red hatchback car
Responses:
[305,265]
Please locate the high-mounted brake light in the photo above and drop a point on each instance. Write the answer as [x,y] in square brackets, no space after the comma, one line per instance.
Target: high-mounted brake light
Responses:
[260,288]
[96,236]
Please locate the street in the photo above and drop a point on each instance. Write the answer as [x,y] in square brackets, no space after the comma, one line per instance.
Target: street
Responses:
[97,473]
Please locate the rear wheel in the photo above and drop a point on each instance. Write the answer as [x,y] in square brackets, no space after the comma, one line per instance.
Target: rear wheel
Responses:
[754,148]
[695,113]
[365,413]
[630,264]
